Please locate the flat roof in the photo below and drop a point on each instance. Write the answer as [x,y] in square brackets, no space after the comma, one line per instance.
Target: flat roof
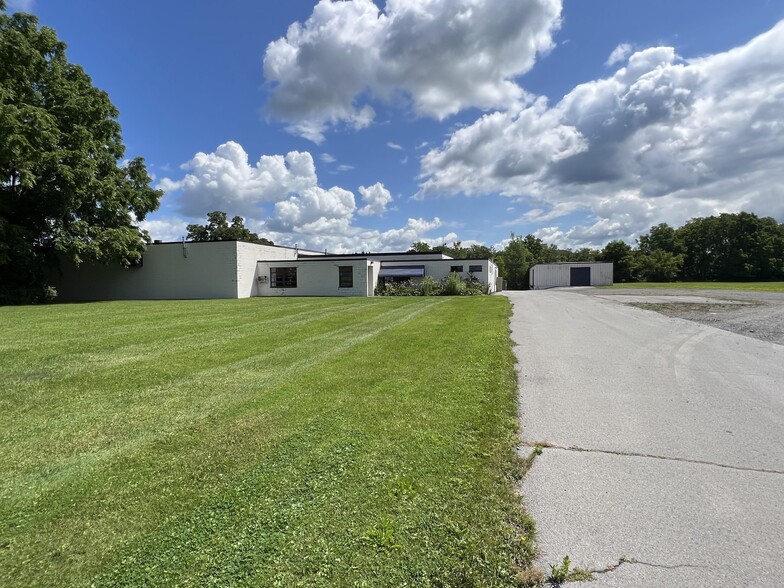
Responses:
[393,254]
[159,242]
[366,257]
[309,258]
[451,259]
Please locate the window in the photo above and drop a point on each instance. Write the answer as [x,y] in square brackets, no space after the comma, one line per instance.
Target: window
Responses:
[283,277]
[456,269]
[345,276]
[474,268]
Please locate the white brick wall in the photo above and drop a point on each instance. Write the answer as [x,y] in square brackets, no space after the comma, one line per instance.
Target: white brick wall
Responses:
[248,254]
[316,278]
[170,271]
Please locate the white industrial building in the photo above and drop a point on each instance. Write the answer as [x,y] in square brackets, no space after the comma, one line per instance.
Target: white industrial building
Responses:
[235,269]
[559,275]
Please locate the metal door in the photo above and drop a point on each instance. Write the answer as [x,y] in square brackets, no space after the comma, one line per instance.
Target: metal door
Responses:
[580,276]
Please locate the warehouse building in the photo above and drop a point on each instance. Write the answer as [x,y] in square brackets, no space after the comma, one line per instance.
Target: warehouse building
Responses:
[235,269]
[560,275]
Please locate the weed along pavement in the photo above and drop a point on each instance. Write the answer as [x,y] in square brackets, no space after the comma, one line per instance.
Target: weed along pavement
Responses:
[663,460]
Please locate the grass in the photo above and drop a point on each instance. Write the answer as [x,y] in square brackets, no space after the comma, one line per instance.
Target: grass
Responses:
[261,442]
[755,286]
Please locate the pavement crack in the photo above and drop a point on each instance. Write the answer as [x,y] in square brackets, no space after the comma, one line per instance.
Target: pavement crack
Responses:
[548,445]
[631,560]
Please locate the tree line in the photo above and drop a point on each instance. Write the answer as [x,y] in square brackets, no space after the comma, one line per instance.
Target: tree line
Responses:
[727,247]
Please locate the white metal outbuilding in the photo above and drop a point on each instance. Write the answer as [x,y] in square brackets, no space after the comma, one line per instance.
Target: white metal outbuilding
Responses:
[559,275]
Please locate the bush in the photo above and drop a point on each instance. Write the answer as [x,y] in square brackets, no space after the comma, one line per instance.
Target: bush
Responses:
[452,285]
[475,288]
[431,286]
[406,288]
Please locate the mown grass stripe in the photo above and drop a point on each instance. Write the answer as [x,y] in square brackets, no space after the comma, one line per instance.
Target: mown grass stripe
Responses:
[42,368]
[399,415]
[247,378]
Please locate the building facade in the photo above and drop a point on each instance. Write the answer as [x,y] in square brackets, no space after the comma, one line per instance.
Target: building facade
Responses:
[235,269]
[560,275]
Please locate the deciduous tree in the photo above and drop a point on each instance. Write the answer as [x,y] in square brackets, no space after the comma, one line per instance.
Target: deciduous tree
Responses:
[514,262]
[65,189]
[219,229]
[622,257]
[739,246]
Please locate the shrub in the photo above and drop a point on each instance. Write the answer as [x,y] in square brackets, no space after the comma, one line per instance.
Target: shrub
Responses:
[453,285]
[473,287]
[406,288]
[431,286]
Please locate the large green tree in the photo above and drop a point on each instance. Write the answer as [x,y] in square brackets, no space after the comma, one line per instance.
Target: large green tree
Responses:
[514,262]
[658,266]
[661,237]
[65,190]
[219,229]
[621,255]
[740,246]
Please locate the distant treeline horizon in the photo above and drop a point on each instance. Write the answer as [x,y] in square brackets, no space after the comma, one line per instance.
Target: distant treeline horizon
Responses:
[729,247]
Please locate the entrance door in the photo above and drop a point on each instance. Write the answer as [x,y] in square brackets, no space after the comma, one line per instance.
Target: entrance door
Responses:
[580,276]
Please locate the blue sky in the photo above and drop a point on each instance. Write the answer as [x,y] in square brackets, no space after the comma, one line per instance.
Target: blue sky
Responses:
[370,126]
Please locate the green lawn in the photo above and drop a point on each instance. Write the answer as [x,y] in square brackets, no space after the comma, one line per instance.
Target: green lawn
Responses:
[758,286]
[266,442]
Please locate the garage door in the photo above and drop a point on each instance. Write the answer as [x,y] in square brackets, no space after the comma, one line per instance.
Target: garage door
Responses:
[580,276]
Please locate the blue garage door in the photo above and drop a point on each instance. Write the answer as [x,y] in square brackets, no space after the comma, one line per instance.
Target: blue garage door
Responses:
[580,276]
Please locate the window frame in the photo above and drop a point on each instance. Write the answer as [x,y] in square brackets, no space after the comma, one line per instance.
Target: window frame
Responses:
[453,269]
[473,269]
[285,280]
[342,269]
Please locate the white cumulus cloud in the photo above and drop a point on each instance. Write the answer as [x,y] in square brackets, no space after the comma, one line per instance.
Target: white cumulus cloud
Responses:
[441,55]
[619,54]
[226,180]
[376,199]
[357,239]
[166,229]
[662,139]
[314,210]
[280,198]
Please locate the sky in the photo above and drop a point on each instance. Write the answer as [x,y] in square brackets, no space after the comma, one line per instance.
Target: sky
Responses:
[356,125]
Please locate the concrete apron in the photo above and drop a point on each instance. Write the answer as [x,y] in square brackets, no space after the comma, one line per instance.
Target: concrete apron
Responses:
[664,458]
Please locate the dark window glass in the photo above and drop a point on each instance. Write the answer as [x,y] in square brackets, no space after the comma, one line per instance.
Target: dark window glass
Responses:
[456,268]
[283,277]
[474,268]
[345,276]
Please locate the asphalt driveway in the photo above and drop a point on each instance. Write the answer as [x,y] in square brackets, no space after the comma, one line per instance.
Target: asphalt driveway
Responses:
[664,458]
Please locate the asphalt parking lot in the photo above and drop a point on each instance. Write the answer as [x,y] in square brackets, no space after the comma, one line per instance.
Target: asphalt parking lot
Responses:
[663,460]
[759,315]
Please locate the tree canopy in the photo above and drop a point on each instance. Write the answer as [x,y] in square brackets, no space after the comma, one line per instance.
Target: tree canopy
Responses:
[456,250]
[219,229]
[739,246]
[514,262]
[65,190]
